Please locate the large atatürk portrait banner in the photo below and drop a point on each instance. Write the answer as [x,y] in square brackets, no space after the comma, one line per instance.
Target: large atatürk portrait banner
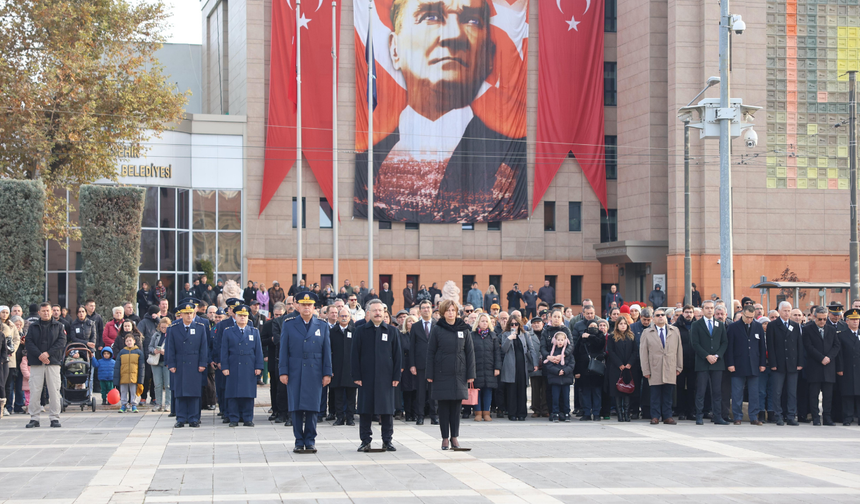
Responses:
[449,121]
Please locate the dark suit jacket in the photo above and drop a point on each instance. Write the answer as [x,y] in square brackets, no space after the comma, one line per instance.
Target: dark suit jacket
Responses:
[466,190]
[418,342]
[784,347]
[817,349]
[706,344]
[388,299]
[746,350]
[848,362]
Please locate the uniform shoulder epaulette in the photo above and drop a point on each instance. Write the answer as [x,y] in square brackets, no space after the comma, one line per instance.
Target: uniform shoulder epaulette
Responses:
[289,317]
[177,321]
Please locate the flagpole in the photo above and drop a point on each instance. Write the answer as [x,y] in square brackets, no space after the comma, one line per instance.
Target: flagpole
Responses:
[369,147]
[299,215]
[335,213]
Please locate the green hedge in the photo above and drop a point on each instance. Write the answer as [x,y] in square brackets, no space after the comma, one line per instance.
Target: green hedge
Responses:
[110,219]
[22,242]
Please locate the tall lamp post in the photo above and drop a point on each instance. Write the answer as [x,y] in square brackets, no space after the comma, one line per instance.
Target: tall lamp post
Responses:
[688,263]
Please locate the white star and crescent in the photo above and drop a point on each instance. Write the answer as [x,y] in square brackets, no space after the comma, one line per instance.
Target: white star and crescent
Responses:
[303,21]
[573,24]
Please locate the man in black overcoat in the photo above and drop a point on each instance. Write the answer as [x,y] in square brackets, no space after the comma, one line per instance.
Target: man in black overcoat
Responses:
[822,347]
[376,364]
[344,388]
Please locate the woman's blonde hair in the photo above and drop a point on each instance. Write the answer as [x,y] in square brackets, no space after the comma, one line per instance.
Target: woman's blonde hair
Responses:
[478,321]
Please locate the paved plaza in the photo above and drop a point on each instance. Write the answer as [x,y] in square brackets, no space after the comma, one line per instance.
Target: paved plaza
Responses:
[107,457]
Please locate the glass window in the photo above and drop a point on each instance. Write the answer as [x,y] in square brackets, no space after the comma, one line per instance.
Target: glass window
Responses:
[56,256]
[611,154]
[575,290]
[167,217]
[76,262]
[204,210]
[411,225]
[496,281]
[169,282]
[149,250]
[325,214]
[56,288]
[182,208]
[76,296]
[549,215]
[610,19]
[204,249]
[229,210]
[610,89]
[608,225]
[494,226]
[229,252]
[574,216]
[150,208]
[167,250]
[468,226]
[304,213]
[182,250]
[384,224]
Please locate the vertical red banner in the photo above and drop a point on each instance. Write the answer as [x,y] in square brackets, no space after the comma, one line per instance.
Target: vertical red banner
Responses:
[570,93]
[316,72]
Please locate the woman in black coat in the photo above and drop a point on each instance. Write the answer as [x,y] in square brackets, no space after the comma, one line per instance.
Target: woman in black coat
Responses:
[591,343]
[623,358]
[450,368]
[488,365]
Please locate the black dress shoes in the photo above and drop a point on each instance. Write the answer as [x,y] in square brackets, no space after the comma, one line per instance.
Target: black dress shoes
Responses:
[434,421]
[234,424]
[792,421]
[248,424]
[351,422]
[179,425]
[272,417]
[194,424]
[55,423]
[420,421]
[365,447]
[388,446]
[298,448]
[33,423]
[339,421]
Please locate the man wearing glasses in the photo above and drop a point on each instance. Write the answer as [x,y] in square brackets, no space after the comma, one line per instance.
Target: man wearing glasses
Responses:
[745,360]
[467,309]
[354,309]
[662,359]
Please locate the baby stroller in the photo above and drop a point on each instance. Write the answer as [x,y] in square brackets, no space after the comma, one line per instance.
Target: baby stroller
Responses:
[76,377]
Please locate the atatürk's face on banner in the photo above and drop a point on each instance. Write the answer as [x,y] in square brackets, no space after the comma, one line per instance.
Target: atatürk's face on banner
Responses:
[442,48]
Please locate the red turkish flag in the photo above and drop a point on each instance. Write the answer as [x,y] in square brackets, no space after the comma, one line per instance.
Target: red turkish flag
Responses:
[316,71]
[570,92]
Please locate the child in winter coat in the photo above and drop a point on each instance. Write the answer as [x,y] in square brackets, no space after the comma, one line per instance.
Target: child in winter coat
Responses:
[105,366]
[128,374]
[559,376]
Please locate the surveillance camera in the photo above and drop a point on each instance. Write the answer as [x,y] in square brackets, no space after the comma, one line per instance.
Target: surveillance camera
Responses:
[738,25]
[751,138]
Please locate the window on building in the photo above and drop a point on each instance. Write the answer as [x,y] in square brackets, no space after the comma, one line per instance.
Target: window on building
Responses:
[608,225]
[468,280]
[576,289]
[551,279]
[574,216]
[611,155]
[304,213]
[549,215]
[610,16]
[494,226]
[468,226]
[496,281]
[411,225]
[610,85]
[325,214]
[384,224]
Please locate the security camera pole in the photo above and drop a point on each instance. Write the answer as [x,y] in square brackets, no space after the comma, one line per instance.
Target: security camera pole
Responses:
[852,186]
[726,268]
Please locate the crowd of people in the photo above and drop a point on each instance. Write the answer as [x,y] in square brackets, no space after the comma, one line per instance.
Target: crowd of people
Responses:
[330,358]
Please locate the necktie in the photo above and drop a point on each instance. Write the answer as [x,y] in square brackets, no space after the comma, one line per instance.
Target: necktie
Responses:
[821,332]
[427,329]
[786,324]
[662,338]
[710,327]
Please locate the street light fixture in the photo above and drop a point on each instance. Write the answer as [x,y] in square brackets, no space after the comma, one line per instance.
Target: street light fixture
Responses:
[685,117]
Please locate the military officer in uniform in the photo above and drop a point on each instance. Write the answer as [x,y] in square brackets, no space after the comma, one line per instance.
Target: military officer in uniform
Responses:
[376,366]
[241,364]
[217,335]
[848,366]
[304,365]
[186,356]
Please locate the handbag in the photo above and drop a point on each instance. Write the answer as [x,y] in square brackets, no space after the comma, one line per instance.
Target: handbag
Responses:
[625,387]
[595,365]
[473,396]
[154,359]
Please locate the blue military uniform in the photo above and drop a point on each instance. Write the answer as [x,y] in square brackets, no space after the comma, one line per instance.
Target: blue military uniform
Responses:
[241,355]
[186,353]
[217,336]
[305,357]
[205,323]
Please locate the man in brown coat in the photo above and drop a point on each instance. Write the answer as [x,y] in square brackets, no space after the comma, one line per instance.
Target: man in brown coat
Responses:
[662,360]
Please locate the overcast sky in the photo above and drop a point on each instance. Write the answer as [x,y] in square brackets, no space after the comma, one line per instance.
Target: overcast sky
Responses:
[186,24]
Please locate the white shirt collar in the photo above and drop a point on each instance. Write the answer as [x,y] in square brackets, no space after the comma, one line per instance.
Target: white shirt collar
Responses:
[423,139]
